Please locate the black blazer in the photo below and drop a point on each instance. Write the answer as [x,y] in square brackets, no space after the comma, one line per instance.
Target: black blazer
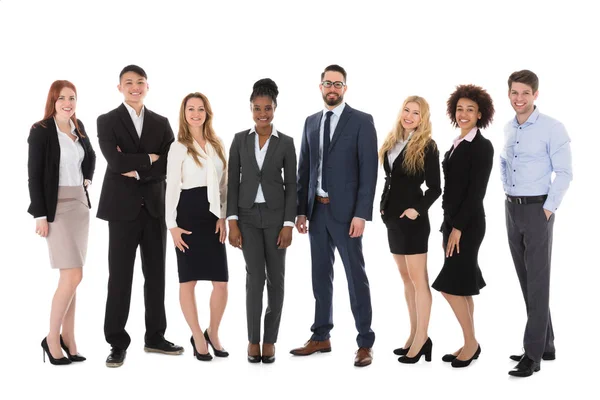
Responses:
[403,191]
[466,176]
[244,176]
[122,197]
[43,167]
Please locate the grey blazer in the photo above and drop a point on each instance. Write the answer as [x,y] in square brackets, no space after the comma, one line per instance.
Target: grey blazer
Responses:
[244,175]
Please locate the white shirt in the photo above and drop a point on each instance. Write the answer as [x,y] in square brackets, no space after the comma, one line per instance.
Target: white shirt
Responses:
[138,120]
[397,149]
[260,155]
[71,157]
[333,121]
[184,173]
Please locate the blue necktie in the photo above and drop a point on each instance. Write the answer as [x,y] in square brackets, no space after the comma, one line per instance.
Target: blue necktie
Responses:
[326,139]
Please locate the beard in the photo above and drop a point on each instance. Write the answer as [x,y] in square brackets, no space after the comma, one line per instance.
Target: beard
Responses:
[334,101]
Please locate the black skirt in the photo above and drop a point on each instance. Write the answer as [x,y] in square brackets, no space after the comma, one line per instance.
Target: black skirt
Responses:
[206,259]
[461,275]
[407,236]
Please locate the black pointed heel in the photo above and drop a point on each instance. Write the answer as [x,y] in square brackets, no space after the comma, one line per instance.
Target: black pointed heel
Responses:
[53,361]
[73,357]
[200,357]
[456,363]
[425,351]
[401,351]
[218,353]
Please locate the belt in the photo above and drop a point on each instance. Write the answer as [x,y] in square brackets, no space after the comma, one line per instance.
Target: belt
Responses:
[526,199]
[322,200]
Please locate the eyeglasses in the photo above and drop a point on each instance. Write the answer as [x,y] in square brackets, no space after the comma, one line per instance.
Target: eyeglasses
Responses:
[336,84]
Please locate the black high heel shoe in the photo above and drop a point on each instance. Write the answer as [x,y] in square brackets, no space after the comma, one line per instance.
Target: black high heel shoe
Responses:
[456,363]
[53,361]
[401,351]
[425,351]
[73,357]
[218,353]
[200,357]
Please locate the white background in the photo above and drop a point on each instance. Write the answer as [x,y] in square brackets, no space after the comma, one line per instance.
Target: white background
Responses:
[221,49]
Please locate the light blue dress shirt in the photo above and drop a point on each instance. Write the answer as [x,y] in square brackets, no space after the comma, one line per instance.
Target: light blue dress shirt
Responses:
[532,152]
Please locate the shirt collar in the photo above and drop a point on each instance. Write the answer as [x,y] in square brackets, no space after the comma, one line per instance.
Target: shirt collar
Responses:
[70,123]
[531,120]
[132,111]
[273,130]
[337,111]
[468,137]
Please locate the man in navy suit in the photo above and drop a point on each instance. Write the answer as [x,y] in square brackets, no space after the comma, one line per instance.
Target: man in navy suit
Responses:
[337,174]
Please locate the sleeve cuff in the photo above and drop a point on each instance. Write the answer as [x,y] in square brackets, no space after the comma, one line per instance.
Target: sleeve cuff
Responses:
[44,217]
[232,217]
[137,176]
[288,223]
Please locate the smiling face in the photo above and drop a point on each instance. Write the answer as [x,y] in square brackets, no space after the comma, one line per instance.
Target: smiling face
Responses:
[333,96]
[410,117]
[263,111]
[134,88]
[65,105]
[195,113]
[467,114]
[521,98]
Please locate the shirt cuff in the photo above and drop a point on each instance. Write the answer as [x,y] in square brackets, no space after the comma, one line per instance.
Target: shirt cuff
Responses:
[360,218]
[288,223]
[232,217]
[44,217]
[137,176]
[150,159]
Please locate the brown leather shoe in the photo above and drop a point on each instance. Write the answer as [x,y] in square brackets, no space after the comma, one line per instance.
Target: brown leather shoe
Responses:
[364,357]
[253,353]
[311,347]
[268,353]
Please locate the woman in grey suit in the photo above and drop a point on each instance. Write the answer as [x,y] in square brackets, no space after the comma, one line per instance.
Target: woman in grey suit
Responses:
[261,208]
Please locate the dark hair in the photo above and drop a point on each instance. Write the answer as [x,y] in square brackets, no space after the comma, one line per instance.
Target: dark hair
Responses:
[526,77]
[336,68]
[265,87]
[476,94]
[133,68]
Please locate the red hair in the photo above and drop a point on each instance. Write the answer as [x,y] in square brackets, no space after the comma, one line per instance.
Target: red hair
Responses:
[53,94]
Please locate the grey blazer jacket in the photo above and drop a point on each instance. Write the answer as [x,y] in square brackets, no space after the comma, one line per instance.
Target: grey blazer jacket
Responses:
[277,176]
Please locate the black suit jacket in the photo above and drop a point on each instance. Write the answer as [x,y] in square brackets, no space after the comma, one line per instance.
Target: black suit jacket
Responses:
[43,167]
[466,176]
[122,197]
[244,176]
[403,191]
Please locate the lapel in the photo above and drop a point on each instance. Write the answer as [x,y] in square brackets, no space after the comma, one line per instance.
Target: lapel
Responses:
[250,143]
[273,142]
[400,159]
[147,125]
[54,147]
[340,126]
[314,137]
[386,164]
[128,123]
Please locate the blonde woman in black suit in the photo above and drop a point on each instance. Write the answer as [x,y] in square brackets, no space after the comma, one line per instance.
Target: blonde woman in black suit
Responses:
[410,157]
[61,165]
[261,208]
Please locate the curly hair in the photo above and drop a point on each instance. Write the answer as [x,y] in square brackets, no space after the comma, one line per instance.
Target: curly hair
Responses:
[476,94]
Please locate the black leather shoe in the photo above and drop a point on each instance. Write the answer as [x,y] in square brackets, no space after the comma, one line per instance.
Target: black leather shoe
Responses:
[456,363]
[425,351]
[526,367]
[53,361]
[218,353]
[73,357]
[448,357]
[116,358]
[199,356]
[164,347]
[401,351]
[547,356]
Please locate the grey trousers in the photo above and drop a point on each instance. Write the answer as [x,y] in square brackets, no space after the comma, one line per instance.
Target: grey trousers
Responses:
[264,262]
[530,242]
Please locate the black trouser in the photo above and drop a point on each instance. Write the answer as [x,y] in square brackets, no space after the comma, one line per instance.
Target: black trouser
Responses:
[530,241]
[124,237]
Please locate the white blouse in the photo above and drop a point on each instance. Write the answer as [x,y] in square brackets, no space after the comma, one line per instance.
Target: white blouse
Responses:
[184,173]
[71,157]
[395,151]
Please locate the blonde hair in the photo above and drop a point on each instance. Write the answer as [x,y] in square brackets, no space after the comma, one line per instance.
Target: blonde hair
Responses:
[414,159]
[185,136]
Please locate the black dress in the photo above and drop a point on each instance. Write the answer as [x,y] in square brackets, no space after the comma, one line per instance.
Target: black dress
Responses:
[205,260]
[466,176]
[403,191]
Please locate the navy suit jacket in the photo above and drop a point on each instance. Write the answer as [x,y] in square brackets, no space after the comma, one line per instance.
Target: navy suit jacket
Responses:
[351,166]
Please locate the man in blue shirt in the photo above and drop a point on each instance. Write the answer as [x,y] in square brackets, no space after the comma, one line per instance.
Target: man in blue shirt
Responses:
[535,147]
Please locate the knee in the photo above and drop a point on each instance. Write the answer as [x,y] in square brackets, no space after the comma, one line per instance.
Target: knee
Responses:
[405,277]
[220,287]
[72,277]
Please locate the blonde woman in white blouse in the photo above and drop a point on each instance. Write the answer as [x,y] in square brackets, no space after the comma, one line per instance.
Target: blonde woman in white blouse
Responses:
[195,215]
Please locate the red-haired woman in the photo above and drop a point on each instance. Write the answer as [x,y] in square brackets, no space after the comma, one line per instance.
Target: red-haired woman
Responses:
[195,204]
[61,165]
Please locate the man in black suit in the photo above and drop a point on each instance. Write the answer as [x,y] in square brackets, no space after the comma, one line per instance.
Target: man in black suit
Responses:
[135,142]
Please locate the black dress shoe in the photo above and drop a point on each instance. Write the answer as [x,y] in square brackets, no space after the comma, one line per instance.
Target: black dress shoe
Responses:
[547,356]
[199,356]
[116,358]
[164,347]
[425,351]
[73,357]
[401,351]
[53,361]
[456,363]
[448,357]
[526,367]
[218,353]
